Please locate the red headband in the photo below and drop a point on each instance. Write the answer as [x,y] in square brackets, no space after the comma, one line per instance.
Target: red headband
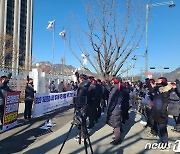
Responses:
[115,80]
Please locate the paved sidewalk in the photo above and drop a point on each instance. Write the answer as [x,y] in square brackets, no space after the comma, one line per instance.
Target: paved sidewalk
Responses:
[134,140]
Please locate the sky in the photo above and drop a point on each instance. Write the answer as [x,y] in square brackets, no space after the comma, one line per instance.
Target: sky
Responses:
[163,32]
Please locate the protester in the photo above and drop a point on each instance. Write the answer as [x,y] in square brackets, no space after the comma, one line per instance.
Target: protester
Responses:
[61,87]
[161,94]
[92,103]
[4,88]
[125,103]
[72,85]
[29,98]
[114,110]
[68,87]
[174,106]
[75,86]
[52,87]
[99,93]
[82,91]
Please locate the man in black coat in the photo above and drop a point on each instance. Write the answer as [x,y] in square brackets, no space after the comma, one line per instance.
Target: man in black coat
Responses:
[174,106]
[99,92]
[29,98]
[114,110]
[83,90]
[125,103]
[92,103]
[4,88]
[160,103]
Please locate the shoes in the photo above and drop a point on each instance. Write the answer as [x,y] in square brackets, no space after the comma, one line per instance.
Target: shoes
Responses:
[77,138]
[116,142]
[149,134]
[175,130]
[143,122]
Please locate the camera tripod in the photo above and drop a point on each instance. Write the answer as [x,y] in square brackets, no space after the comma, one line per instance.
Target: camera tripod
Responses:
[80,122]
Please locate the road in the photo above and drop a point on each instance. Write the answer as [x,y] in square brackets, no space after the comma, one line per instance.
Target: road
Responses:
[28,138]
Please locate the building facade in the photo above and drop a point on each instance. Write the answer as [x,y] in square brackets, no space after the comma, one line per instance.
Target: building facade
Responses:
[16,20]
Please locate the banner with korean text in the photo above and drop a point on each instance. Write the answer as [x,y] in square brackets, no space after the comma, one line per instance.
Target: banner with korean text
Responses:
[46,102]
[11,110]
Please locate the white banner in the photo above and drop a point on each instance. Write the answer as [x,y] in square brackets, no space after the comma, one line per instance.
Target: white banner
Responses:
[46,102]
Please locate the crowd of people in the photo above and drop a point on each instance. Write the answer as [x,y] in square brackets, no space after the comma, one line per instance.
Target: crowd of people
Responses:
[155,101]
[62,87]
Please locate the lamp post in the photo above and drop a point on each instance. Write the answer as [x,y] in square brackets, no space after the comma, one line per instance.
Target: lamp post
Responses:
[160,67]
[133,63]
[170,4]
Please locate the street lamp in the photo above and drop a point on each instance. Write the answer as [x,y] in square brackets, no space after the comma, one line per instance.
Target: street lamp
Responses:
[133,63]
[161,67]
[170,4]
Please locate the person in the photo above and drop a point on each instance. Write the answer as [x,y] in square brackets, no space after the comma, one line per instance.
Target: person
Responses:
[125,103]
[72,85]
[148,105]
[92,103]
[81,91]
[29,98]
[52,87]
[99,98]
[75,86]
[61,87]
[68,87]
[174,106]
[114,110]
[159,108]
[4,88]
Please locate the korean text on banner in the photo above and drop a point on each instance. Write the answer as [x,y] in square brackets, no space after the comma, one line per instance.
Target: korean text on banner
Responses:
[46,102]
[11,110]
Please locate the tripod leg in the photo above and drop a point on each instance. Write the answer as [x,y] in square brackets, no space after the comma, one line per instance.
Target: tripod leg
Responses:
[65,139]
[87,134]
[85,145]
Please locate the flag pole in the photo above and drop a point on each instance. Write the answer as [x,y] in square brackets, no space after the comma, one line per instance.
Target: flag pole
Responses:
[53,31]
[64,54]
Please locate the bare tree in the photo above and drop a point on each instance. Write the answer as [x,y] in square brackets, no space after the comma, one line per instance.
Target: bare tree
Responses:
[114,30]
[7,47]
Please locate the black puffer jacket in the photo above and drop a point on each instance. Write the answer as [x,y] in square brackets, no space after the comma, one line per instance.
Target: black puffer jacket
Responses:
[83,88]
[29,93]
[114,107]
[160,104]
[174,103]
[3,91]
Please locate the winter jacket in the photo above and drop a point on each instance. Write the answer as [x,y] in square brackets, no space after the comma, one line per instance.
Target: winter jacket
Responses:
[61,88]
[160,104]
[125,101]
[114,106]
[29,93]
[82,91]
[174,103]
[3,91]
[92,94]
[83,88]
